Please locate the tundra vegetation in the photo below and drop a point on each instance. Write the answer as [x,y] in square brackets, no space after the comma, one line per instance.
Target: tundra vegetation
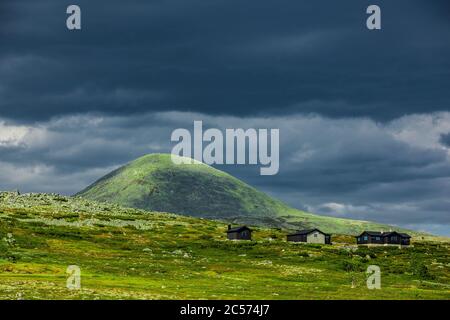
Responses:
[136,254]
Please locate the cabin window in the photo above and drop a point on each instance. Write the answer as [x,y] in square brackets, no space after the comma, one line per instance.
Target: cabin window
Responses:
[315,235]
[365,238]
[377,238]
[359,238]
[394,238]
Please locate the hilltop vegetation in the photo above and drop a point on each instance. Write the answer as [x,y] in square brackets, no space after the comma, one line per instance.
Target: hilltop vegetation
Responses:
[135,254]
[154,183]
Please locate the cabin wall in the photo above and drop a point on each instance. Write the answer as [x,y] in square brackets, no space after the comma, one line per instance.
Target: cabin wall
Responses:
[296,238]
[243,235]
[366,239]
[233,236]
[316,237]
[392,240]
[397,240]
[376,239]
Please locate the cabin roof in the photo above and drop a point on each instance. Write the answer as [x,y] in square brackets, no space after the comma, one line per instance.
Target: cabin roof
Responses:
[307,231]
[372,233]
[384,234]
[405,235]
[238,229]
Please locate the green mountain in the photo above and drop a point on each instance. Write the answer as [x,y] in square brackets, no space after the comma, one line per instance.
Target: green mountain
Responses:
[154,183]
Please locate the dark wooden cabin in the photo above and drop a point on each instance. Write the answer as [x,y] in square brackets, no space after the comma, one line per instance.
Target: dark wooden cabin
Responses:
[397,238]
[310,236]
[239,233]
[383,238]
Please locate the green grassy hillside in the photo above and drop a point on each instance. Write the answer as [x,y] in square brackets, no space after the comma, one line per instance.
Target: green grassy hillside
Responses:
[154,183]
[135,254]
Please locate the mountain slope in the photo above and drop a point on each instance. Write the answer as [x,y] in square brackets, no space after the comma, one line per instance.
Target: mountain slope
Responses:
[154,183]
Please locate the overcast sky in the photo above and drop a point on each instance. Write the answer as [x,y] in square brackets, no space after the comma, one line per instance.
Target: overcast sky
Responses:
[364,116]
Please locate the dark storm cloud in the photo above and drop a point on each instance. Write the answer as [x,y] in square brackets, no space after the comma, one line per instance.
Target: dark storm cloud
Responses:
[445,139]
[224,57]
